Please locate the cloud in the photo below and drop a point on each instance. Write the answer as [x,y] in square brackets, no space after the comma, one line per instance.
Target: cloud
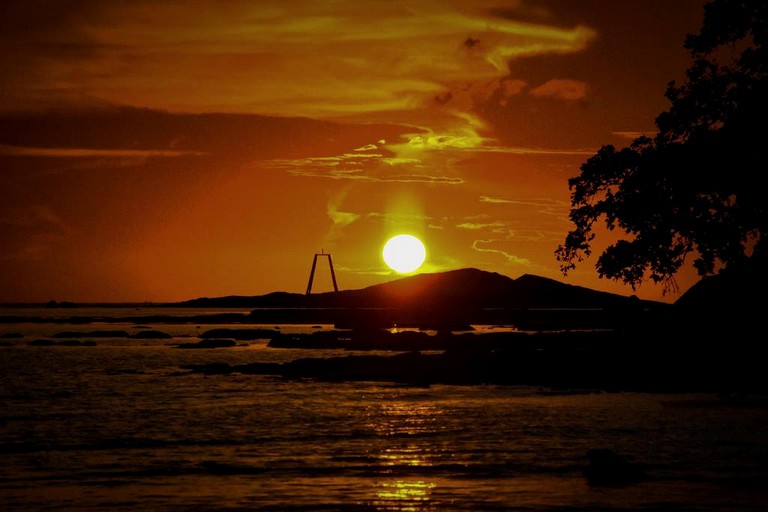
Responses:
[244,56]
[464,135]
[361,166]
[482,246]
[37,216]
[561,89]
[542,205]
[36,247]
[547,219]
[340,218]
[29,233]
[519,150]
[509,232]
[398,217]
[93,153]
[358,175]
[629,135]
[480,225]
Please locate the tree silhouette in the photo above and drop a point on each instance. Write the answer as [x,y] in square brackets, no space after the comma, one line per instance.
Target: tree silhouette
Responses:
[697,187]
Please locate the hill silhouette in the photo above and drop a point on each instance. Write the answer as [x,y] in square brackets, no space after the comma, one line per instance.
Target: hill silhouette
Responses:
[446,300]
[468,287]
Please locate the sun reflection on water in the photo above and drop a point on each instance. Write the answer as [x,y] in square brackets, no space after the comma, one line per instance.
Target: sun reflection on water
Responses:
[404,418]
[404,495]
[410,455]
[406,430]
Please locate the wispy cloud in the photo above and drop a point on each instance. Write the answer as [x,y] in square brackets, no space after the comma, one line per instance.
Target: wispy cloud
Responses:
[629,135]
[480,225]
[36,229]
[485,246]
[38,216]
[511,231]
[398,217]
[367,164]
[542,205]
[246,56]
[93,153]
[561,89]
[339,217]
[359,175]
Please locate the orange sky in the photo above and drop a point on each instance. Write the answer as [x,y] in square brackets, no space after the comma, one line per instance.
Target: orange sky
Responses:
[157,151]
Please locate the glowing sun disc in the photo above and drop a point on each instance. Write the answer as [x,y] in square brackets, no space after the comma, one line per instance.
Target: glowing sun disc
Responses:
[404,253]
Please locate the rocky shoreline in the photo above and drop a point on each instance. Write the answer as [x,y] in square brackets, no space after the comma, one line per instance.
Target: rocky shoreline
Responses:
[605,361]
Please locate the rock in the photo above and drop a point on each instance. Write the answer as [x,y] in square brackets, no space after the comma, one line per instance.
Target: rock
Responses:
[93,334]
[151,334]
[41,343]
[11,335]
[607,468]
[63,304]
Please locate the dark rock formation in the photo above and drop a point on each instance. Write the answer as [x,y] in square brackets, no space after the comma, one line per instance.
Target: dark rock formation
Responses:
[63,304]
[150,335]
[41,343]
[607,468]
[605,361]
[91,334]
[443,301]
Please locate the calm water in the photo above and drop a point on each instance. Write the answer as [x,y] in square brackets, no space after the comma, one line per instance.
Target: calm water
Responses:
[119,426]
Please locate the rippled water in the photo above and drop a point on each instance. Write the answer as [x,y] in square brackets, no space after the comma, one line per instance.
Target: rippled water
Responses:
[120,426]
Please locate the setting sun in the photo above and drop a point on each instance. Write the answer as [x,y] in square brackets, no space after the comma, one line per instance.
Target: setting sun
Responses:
[404,253]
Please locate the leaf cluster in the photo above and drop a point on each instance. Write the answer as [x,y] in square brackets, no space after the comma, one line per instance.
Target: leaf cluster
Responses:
[696,187]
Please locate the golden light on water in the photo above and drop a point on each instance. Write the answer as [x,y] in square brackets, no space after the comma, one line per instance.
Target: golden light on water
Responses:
[405,495]
[397,421]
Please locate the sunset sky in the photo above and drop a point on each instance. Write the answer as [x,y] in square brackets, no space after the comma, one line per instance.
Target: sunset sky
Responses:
[158,151]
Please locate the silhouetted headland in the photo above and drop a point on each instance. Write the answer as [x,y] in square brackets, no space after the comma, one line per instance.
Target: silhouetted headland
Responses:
[577,338]
[450,300]
[566,336]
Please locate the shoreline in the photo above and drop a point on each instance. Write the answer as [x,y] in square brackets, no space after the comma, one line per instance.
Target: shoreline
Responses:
[651,355]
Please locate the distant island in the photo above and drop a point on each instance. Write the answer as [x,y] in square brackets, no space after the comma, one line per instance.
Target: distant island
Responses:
[467,287]
[444,300]
[533,331]
[455,299]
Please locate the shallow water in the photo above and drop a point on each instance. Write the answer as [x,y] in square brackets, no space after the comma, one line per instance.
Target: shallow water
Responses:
[119,426]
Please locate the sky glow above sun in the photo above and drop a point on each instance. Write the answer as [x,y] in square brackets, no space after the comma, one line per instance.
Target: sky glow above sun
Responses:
[159,151]
[404,253]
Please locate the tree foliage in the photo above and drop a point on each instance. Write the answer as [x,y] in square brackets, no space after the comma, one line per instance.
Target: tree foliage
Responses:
[697,187]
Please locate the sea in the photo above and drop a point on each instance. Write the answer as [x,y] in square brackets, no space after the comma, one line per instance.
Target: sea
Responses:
[122,425]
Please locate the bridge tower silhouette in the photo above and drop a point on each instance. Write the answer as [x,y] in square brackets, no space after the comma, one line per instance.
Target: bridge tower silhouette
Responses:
[314,266]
